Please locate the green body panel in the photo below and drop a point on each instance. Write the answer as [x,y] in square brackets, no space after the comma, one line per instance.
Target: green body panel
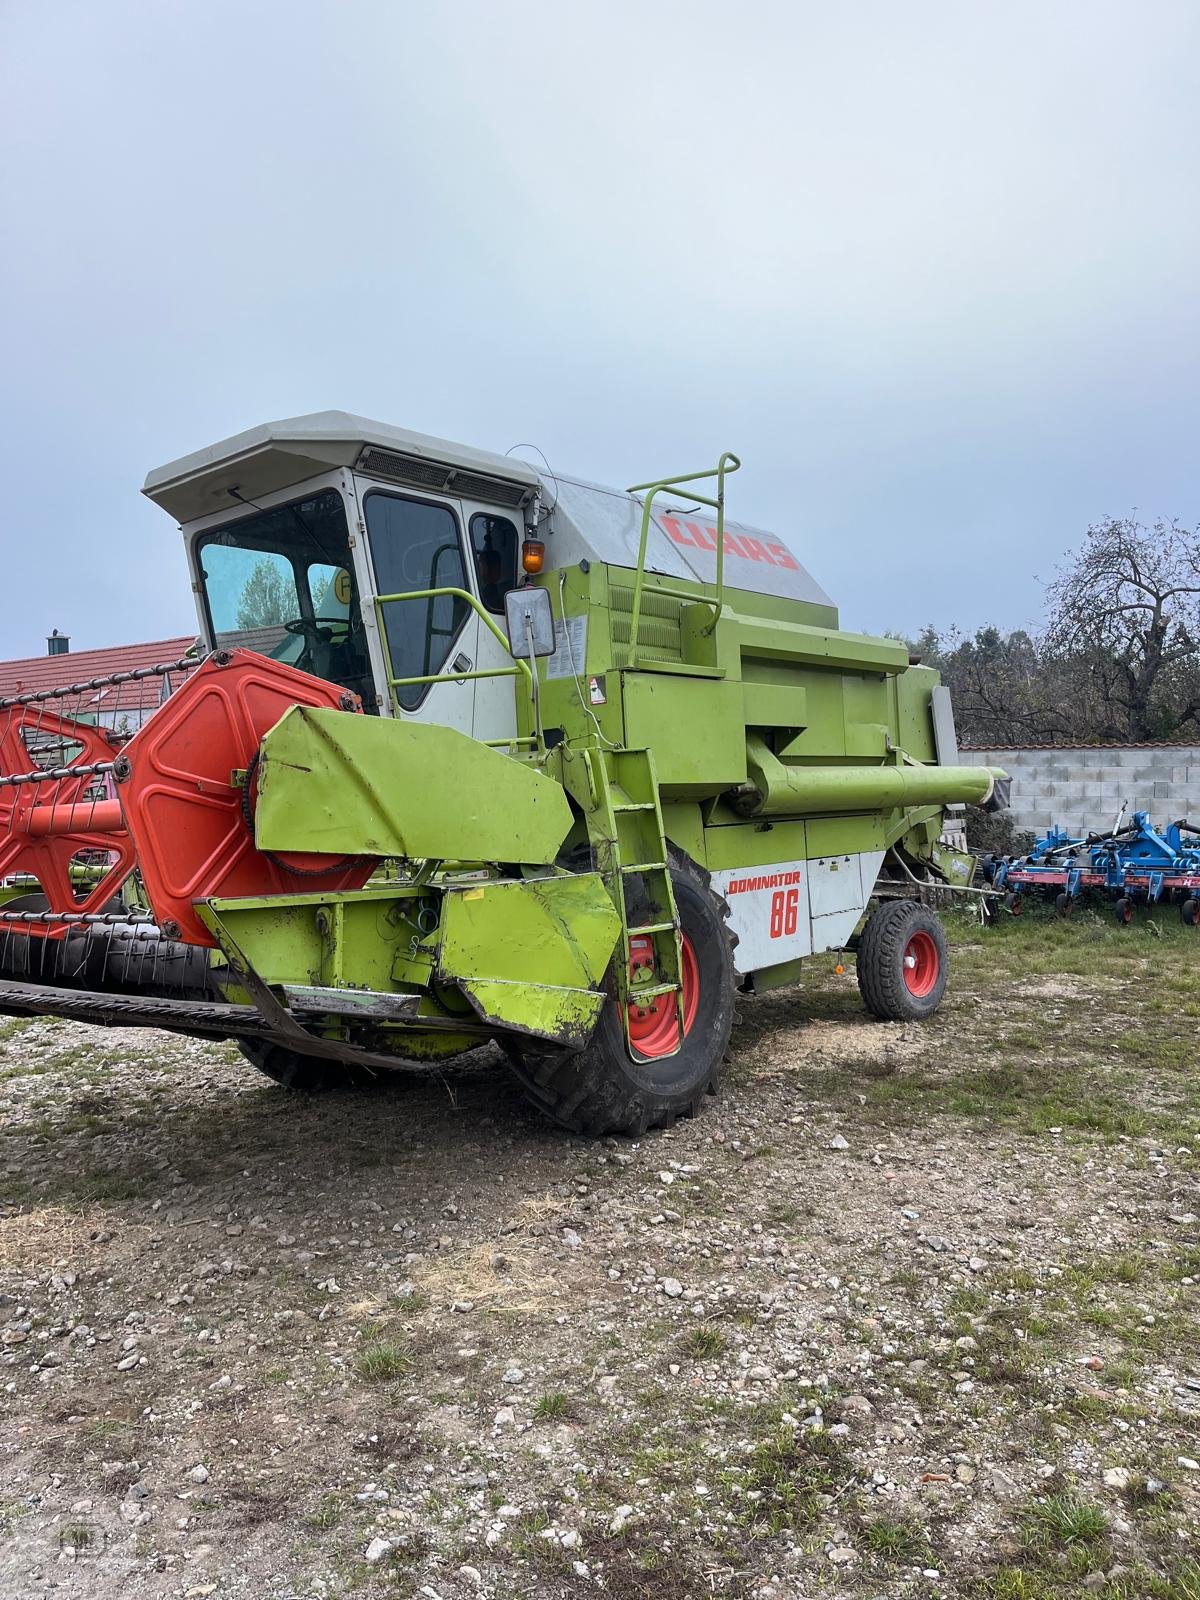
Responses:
[771,666]
[840,723]
[340,784]
[738,843]
[350,939]
[664,713]
[530,956]
[523,955]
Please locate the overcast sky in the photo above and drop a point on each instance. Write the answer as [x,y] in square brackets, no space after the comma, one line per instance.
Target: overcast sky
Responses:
[931,269]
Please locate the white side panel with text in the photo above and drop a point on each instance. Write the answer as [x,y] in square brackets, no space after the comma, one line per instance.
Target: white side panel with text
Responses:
[788,909]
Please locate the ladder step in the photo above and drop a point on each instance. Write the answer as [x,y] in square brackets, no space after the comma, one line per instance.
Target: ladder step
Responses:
[637,995]
[653,927]
[646,866]
[635,805]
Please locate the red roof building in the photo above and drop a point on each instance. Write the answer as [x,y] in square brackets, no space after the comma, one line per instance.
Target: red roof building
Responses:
[122,706]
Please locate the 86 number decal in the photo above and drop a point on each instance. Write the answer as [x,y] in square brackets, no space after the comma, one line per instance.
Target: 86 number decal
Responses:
[785,913]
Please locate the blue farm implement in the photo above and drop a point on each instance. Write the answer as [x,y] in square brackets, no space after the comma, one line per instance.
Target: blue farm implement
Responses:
[1134,863]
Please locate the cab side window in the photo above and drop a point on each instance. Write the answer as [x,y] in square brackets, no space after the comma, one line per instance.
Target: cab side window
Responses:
[416,545]
[494,543]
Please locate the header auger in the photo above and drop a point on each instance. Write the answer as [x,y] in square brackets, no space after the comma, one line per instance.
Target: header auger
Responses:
[472,752]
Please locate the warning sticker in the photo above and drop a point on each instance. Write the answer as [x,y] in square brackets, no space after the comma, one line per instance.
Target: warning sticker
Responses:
[570,648]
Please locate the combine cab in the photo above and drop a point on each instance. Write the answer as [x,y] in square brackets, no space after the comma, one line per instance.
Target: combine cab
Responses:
[468,752]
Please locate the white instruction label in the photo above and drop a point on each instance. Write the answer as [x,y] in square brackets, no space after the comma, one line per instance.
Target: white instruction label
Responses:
[570,648]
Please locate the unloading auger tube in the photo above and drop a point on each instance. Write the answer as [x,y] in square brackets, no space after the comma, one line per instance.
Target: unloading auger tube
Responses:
[349,841]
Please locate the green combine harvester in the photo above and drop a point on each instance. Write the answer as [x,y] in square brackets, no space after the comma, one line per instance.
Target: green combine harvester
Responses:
[472,751]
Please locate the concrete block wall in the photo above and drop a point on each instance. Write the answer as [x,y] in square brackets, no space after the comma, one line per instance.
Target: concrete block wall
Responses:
[1081,789]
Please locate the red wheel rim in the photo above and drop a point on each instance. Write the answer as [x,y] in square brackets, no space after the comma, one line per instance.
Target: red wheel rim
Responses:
[922,963]
[653,1027]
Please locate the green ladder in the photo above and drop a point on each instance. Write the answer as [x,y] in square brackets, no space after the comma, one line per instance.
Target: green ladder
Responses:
[626,834]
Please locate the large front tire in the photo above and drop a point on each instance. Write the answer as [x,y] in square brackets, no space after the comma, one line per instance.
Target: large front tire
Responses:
[601,1088]
[902,962]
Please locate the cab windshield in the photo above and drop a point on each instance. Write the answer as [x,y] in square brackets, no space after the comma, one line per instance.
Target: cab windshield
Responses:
[281,582]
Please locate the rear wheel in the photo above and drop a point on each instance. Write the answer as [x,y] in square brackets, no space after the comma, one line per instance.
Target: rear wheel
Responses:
[1189,912]
[1123,910]
[602,1088]
[902,962]
[1013,903]
[1064,904]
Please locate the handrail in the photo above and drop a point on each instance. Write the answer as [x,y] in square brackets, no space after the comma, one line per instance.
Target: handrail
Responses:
[520,665]
[728,463]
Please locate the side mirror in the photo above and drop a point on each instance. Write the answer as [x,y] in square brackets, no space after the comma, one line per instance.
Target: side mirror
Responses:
[530,623]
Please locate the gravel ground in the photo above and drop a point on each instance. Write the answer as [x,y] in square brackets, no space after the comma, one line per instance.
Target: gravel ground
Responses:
[907,1311]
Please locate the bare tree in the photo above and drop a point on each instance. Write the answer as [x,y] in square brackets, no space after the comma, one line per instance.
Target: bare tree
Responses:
[1123,630]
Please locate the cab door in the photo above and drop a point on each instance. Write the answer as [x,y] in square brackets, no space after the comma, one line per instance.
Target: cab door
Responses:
[494,544]
[417,544]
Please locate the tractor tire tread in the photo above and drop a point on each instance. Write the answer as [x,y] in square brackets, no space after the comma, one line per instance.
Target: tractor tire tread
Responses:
[586,1091]
[879,962]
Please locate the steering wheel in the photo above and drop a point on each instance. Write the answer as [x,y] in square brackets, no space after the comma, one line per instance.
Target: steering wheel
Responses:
[309,625]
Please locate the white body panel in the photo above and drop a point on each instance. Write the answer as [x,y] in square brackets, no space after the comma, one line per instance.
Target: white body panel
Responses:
[840,889]
[788,909]
[768,910]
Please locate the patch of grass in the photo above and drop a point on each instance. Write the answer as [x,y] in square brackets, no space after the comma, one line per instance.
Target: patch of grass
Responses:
[1016,1583]
[907,1279]
[1185,1265]
[968,1302]
[1101,1408]
[552,1408]
[640,1569]
[704,1343]
[115,1438]
[527,1543]
[382,1360]
[76,1536]
[1003,1358]
[1063,1520]
[896,1539]
[98,1186]
[785,1476]
[330,1511]
[1019,1279]
[1184,1583]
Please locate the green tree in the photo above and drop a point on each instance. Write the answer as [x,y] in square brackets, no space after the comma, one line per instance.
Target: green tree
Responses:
[267,599]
